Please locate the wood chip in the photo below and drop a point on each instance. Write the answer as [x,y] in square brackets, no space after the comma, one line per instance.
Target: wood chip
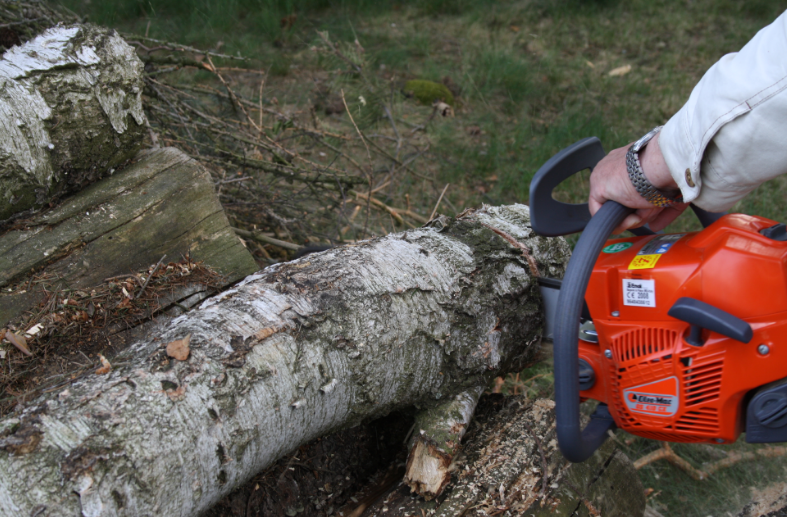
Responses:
[179,349]
[18,341]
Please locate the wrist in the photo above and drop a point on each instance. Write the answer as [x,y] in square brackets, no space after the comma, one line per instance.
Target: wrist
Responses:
[643,184]
[655,167]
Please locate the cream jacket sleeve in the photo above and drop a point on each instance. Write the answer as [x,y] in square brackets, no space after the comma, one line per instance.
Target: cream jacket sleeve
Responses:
[731,135]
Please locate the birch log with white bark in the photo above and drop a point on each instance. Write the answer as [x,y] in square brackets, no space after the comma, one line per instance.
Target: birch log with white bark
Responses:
[292,353]
[70,111]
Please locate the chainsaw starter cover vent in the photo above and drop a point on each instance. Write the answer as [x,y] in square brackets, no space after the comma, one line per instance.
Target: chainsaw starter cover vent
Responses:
[643,342]
[702,380]
[704,420]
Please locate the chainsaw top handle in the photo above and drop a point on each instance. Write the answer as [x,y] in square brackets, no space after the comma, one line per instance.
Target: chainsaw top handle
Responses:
[575,444]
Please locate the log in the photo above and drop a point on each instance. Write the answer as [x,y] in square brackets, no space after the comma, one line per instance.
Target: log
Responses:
[70,112]
[438,435]
[292,353]
[164,204]
[511,466]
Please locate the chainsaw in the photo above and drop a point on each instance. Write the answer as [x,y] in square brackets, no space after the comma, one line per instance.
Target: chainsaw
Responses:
[677,336]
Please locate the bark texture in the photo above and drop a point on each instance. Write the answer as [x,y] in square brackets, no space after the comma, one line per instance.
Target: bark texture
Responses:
[165,203]
[70,111]
[292,353]
[511,466]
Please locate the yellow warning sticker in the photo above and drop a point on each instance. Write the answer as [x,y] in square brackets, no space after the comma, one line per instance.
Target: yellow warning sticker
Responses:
[644,261]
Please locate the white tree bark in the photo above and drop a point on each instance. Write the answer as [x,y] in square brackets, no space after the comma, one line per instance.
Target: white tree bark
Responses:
[293,352]
[70,111]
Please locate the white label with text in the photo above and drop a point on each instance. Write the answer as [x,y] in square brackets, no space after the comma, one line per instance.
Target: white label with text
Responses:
[639,293]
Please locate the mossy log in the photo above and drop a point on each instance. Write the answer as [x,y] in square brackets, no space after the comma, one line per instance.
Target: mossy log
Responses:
[70,112]
[292,353]
[164,204]
[511,466]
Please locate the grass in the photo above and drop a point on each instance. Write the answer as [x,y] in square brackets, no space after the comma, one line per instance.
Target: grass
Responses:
[532,76]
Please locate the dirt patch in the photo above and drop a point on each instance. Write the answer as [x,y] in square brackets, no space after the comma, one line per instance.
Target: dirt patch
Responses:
[333,474]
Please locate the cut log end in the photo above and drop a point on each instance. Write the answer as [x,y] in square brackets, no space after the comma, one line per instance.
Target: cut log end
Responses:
[428,470]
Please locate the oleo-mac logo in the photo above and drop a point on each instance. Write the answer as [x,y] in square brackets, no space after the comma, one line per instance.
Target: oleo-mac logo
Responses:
[645,399]
[659,398]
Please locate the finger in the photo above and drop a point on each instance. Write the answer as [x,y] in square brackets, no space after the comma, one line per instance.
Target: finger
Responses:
[594,205]
[666,216]
[631,221]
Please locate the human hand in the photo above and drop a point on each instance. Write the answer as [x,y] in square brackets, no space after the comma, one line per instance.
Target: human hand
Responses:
[610,181]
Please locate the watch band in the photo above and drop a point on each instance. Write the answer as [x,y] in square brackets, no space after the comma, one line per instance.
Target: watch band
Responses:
[637,176]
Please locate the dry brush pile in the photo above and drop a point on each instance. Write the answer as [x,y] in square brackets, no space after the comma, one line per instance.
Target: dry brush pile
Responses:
[347,166]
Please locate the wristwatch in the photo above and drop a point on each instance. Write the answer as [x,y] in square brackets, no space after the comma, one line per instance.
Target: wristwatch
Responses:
[637,176]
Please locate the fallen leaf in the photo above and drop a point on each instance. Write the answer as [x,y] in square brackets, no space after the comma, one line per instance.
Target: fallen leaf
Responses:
[18,341]
[179,349]
[106,367]
[621,70]
[590,64]
[514,28]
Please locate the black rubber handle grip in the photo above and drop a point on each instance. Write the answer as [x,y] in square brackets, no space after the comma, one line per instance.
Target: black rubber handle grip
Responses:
[548,216]
[577,444]
[705,315]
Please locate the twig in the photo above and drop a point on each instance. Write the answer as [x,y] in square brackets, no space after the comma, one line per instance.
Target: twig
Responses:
[323,36]
[155,268]
[360,135]
[666,453]
[531,262]
[177,47]
[438,201]
[23,22]
[257,236]
[233,96]
[396,131]
[393,211]
[735,457]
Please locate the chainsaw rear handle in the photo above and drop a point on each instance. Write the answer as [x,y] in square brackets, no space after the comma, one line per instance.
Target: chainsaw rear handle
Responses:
[578,445]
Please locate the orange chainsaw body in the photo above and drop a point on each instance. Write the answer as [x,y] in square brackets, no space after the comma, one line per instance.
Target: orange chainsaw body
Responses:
[655,383]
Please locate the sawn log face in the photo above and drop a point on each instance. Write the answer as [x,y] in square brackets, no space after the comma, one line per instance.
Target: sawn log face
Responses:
[292,353]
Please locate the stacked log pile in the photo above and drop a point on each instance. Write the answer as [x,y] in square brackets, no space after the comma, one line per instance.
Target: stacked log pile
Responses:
[197,405]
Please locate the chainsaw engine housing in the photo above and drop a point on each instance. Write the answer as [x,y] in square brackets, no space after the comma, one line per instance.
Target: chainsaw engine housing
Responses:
[660,378]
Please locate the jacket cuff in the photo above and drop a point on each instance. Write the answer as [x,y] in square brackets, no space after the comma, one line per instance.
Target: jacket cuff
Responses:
[680,155]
